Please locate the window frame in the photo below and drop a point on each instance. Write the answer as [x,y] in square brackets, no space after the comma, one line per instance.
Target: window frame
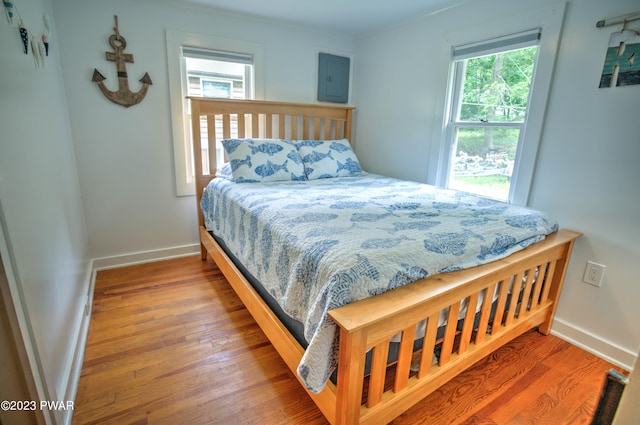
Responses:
[176,40]
[549,20]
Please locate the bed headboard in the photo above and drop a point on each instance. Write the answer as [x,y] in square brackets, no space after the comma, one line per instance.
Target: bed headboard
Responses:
[213,120]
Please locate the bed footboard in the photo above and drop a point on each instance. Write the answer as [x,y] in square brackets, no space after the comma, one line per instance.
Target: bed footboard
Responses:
[524,288]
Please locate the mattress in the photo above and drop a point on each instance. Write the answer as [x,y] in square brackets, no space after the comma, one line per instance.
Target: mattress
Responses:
[319,244]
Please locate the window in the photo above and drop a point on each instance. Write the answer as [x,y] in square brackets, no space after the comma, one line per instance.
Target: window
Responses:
[491,85]
[211,73]
[465,44]
[205,66]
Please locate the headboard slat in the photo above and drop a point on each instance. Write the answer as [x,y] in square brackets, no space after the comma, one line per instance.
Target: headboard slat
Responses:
[269,125]
[294,127]
[211,140]
[226,126]
[281,126]
[306,128]
[255,125]
[316,128]
[241,126]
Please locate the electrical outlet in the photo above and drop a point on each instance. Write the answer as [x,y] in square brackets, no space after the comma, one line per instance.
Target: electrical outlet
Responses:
[594,273]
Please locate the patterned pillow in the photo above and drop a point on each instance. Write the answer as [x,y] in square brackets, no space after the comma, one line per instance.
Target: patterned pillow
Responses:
[224,172]
[262,160]
[331,158]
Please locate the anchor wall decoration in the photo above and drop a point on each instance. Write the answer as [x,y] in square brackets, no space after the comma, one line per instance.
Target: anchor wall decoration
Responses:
[123,96]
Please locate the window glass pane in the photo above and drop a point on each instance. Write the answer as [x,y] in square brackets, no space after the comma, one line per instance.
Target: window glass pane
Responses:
[211,88]
[496,87]
[483,161]
[212,78]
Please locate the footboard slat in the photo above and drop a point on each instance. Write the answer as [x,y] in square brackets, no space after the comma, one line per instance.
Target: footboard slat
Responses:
[485,314]
[513,304]
[428,346]
[378,373]
[467,329]
[547,282]
[502,302]
[537,290]
[404,358]
[450,333]
[525,308]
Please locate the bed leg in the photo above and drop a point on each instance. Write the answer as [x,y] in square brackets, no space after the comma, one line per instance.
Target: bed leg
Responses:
[350,377]
[203,252]
[545,328]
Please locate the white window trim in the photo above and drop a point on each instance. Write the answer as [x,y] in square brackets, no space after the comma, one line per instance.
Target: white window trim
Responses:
[550,20]
[180,130]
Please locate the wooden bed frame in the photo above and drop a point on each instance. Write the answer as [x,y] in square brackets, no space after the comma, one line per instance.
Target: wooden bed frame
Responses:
[367,325]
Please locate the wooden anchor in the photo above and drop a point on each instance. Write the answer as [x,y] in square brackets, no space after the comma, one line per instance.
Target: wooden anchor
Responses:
[123,96]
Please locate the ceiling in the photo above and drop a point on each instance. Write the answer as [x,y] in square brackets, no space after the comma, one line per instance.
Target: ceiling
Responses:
[355,17]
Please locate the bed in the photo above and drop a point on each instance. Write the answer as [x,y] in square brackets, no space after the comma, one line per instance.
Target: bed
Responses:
[372,340]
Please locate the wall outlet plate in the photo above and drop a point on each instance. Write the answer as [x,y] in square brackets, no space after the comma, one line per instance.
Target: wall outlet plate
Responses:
[594,273]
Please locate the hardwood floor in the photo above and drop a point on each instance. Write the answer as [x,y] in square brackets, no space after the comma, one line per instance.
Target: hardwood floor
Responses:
[170,343]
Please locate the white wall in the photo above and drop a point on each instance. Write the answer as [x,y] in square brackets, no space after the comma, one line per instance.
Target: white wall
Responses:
[125,160]
[590,156]
[588,166]
[40,196]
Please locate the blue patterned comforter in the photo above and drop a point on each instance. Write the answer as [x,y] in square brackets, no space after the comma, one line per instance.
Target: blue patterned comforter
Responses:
[320,244]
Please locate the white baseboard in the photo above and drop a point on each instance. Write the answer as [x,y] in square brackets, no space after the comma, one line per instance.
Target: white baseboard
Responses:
[145,256]
[75,369]
[594,344]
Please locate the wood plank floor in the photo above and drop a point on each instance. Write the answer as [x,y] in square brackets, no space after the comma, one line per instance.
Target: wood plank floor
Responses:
[170,343]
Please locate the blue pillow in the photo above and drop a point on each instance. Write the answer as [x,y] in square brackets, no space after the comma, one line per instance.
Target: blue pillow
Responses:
[263,160]
[331,158]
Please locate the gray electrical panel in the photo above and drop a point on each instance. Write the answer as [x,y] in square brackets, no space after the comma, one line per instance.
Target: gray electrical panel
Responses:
[333,78]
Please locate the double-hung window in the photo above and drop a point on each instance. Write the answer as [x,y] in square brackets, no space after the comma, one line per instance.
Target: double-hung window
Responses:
[205,66]
[496,103]
[490,91]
